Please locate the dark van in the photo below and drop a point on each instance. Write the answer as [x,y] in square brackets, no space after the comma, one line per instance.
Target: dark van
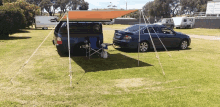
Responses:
[79,33]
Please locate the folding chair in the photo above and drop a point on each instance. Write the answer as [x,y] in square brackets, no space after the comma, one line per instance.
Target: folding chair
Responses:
[94,45]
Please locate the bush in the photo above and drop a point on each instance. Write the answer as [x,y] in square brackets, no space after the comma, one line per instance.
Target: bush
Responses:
[11,19]
[29,10]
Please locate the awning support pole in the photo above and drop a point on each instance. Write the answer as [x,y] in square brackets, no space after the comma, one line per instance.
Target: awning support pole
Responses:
[70,71]
[139,36]
[157,56]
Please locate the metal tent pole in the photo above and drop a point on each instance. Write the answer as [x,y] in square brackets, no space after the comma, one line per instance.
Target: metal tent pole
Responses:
[139,36]
[155,50]
[69,49]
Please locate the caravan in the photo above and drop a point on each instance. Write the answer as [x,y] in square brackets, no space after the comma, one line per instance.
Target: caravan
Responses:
[184,22]
[45,21]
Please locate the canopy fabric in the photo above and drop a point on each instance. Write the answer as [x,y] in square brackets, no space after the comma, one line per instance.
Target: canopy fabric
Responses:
[101,16]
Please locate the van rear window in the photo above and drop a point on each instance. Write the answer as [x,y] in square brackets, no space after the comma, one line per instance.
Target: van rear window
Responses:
[82,28]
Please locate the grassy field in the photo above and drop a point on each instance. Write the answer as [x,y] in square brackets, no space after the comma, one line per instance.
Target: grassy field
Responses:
[200,31]
[195,31]
[192,75]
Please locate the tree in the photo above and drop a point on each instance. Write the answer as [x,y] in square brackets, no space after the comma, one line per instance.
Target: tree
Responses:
[46,4]
[191,6]
[29,10]
[157,8]
[11,19]
[84,6]
[148,8]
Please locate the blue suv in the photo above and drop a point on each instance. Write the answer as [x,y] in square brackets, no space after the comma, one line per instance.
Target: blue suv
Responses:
[79,33]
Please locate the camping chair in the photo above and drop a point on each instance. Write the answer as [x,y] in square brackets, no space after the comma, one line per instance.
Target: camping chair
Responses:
[93,42]
[94,45]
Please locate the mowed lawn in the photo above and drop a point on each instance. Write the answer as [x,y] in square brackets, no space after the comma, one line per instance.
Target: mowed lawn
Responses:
[192,75]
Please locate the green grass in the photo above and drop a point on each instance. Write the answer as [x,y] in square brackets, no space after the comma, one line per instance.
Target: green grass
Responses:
[192,75]
[200,31]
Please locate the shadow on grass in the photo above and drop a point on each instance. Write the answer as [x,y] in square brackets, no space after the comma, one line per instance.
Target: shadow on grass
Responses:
[114,61]
[150,50]
[14,38]
[20,31]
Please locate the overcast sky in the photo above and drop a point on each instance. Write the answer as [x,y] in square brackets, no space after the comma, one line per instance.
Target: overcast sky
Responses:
[131,4]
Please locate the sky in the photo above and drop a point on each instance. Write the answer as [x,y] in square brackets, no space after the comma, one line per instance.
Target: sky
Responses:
[131,4]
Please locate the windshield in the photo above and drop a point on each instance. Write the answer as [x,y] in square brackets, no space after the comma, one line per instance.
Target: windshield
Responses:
[134,28]
[82,28]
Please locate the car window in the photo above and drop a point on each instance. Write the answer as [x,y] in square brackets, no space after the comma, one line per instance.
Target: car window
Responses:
[156,29]
[166,30]
[82,28]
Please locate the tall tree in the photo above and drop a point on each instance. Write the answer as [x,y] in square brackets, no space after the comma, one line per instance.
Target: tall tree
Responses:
[157,8]
[148,8]
[46,4]
[191,6]
[84,5]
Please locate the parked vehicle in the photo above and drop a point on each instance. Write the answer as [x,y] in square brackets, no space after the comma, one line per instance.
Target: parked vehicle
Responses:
[184,22]
[109,23]
[45,21]
[79,33]
[129,37]
[168,22]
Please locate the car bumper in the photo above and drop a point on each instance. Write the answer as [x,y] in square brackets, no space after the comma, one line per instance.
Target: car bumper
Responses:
[123,43]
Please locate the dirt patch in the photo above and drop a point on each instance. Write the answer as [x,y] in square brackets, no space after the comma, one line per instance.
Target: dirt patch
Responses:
[151,85]
[133,82]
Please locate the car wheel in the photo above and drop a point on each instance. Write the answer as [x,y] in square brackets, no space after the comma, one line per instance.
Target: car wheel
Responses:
[144,46]
[184,44]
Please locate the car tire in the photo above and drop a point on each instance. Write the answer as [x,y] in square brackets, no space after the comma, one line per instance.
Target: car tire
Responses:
[183,44]
[144,46]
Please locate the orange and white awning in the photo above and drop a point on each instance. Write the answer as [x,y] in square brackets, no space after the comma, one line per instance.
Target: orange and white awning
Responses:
[95,15]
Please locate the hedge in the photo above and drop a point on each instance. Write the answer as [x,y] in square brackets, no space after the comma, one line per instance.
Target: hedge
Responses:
[11,19]
[16,15]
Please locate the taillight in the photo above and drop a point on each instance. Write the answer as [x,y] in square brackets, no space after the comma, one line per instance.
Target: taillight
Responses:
[59,40]
[127,37]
